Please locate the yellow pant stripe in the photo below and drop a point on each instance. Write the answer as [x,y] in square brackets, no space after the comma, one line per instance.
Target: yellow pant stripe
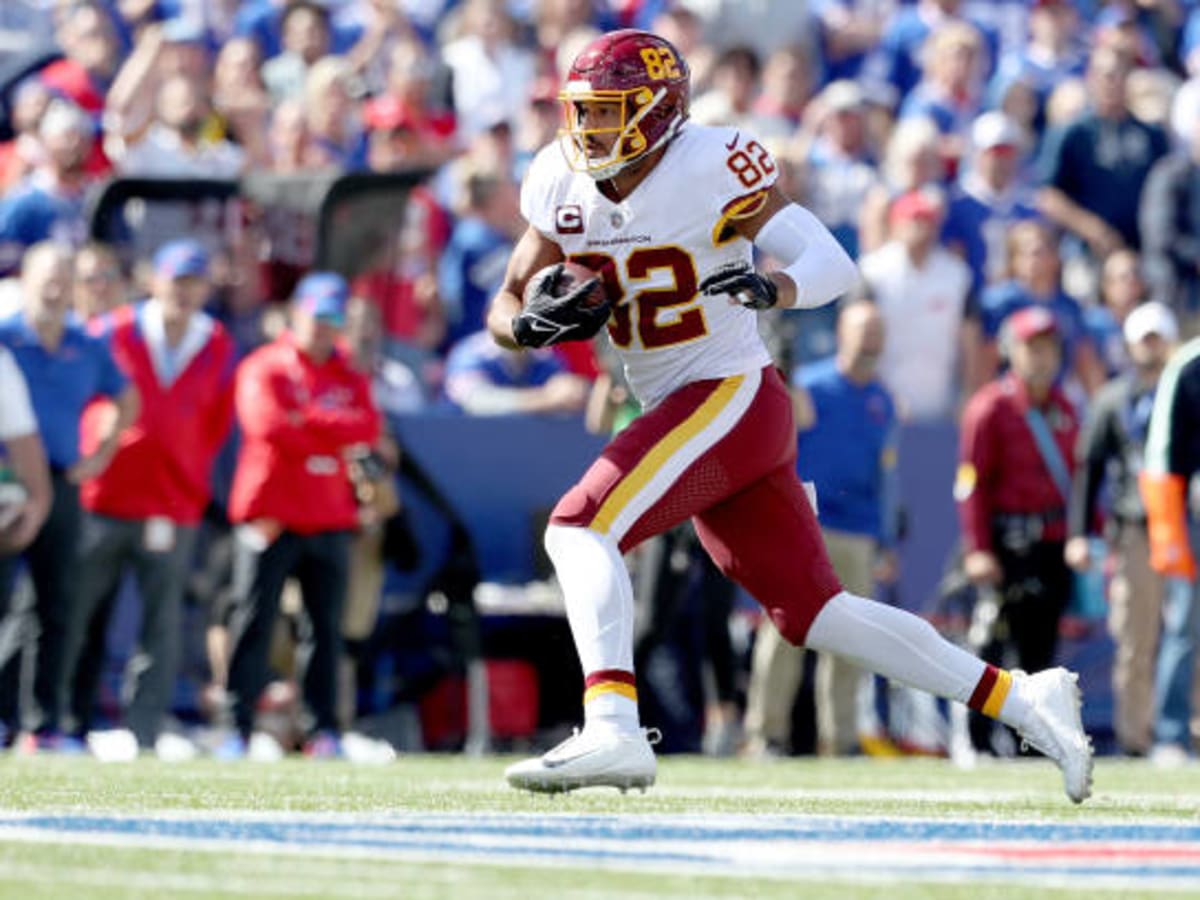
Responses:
[662,452]
[610,687]
[998,694]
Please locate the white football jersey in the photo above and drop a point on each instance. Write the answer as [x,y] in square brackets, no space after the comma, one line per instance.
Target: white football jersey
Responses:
[656,246]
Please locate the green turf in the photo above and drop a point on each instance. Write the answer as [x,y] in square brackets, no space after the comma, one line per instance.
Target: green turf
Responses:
[1021,790]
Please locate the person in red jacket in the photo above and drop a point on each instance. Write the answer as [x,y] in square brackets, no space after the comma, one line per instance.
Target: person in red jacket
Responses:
[1016,460]
[143,509]
[301,406]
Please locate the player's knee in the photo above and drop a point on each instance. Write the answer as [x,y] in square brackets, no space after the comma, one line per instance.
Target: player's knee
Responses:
[562,541]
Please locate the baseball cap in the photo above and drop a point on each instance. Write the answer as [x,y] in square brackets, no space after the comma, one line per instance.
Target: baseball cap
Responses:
[323,295]
[915,205]
[995,129]
[184,258]
[1028,323]
[388,114]
[1150,318]
[842,96]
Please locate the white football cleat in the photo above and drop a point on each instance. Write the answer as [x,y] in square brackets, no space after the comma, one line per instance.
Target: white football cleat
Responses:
[1055,727]
[590,758]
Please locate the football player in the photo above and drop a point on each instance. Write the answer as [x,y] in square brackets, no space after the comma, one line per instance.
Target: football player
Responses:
[667,213]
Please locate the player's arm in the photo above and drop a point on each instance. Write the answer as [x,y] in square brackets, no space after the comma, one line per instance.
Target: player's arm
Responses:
[815,268]
[534,251]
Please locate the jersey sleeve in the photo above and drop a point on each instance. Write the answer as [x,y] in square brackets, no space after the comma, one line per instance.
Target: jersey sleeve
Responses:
[539,188]
[738,170]
[16,411]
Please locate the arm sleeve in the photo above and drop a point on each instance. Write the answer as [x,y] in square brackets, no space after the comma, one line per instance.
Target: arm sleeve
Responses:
[812,257]
[16,410]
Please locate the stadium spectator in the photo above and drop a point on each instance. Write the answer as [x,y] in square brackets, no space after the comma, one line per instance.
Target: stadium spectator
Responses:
[1035,279]
[143,510]
[21,155]
[849,30]
[302,406]
[49,203]
[847,451]
[65,369]
[306,39]
[333,115]
[472,265]
[174,145]
[948,92]
[839,171]
[484,379]
[736,77]
[922,290]
[91,54]
[408,99]
[1122,288]
[1016,461]
[1111,449]
[788,82]
[492,73]
[1053,54]
[240,100]
[1093,170]
[1169,219]
[989,198]
[911,161]
[24,506]
[99,286]
[894,67]
[162,52]
[1172,460]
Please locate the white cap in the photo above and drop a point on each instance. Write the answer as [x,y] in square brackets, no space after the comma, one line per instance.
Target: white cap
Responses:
[995,129]
[843,95]
[1151,318]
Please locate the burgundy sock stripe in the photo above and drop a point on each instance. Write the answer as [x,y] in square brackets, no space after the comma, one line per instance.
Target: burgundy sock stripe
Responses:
[618,675]
[987,681]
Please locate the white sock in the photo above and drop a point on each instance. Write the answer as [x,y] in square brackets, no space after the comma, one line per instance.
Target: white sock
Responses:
[599,600]
[902,647]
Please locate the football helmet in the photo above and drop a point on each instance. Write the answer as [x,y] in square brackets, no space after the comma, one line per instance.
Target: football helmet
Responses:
[643,79]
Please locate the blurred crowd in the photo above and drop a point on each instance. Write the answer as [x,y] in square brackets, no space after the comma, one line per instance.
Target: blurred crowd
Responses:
[978,159]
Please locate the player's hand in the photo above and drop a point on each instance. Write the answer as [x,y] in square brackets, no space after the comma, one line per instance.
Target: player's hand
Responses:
[743,285]
[550,318]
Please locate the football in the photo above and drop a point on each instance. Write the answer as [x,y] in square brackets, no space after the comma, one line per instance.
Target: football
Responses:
[573,274]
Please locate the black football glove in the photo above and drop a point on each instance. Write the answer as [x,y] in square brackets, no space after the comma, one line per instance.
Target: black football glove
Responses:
[743,284]
[549,319]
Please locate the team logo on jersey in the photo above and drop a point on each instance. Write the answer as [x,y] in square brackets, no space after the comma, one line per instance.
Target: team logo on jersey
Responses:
[569,219]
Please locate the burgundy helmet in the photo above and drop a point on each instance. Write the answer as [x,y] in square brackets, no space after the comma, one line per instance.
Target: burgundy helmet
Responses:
[645,78]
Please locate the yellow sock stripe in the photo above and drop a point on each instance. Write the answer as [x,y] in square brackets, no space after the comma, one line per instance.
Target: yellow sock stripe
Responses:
[998,694]
[662,452]
[610,687]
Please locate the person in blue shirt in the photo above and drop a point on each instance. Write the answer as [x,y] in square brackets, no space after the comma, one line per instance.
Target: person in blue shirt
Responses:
[1034,279]
[485,379]
[989,198]
[895,63]
[473,263]
[1094,169]
[65,368]
[49,203]
[847,424]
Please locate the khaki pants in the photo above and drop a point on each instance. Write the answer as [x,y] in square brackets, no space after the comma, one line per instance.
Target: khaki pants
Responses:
[778,667]
[1135,599]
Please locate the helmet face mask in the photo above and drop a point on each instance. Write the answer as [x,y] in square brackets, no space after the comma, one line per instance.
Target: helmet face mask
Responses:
[625,96]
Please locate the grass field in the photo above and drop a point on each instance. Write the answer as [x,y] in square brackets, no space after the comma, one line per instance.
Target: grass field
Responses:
[437,826]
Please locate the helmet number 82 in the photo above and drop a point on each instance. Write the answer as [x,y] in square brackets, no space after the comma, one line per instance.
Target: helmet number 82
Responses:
[660,63]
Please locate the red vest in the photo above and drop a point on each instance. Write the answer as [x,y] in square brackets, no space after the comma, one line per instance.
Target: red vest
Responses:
[163,465]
